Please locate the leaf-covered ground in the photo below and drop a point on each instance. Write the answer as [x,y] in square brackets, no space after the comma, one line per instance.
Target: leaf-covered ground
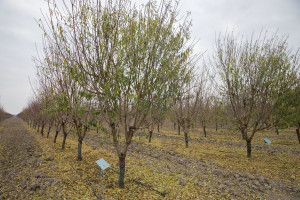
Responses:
[214,167]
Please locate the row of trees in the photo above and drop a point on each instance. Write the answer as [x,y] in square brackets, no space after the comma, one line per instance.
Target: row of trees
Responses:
[112,59]
[123,68]
[3,114]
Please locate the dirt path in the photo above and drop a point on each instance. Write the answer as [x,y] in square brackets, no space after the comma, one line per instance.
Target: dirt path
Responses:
[19,158]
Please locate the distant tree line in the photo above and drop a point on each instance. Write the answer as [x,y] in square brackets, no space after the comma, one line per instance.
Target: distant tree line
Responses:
[3,114]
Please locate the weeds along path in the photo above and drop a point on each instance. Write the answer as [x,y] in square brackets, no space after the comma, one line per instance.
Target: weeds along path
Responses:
[19,157]
[206,177]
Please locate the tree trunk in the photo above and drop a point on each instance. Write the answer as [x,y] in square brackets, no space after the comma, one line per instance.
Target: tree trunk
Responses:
[42,131]
[277,131]
[79,148]
[157,127]
[38,130]
[248,148]
[122,170]
[186,138]
[150,136]
[178,128]
[204,131]
[216,126]
[56,134]
[174,126]
[298,133]
[64,141]
[243,136]
[48,131]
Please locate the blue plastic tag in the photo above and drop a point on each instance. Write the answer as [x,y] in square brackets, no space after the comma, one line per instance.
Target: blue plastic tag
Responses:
[102,163]
[267,141]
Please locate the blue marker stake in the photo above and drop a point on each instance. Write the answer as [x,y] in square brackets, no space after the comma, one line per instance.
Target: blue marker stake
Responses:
[267,141]
[103,165]
[102,185]
[266,151]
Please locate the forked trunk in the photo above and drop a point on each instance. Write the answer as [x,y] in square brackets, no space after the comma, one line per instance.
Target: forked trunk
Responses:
[122,170]
[122,155]
[150,136]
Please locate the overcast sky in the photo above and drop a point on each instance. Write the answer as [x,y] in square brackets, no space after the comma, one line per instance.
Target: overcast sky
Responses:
[19,34]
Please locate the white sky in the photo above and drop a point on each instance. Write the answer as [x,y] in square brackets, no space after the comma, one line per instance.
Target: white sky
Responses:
[19,34]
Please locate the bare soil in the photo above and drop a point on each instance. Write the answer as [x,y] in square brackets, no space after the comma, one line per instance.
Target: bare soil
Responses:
[19,157]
